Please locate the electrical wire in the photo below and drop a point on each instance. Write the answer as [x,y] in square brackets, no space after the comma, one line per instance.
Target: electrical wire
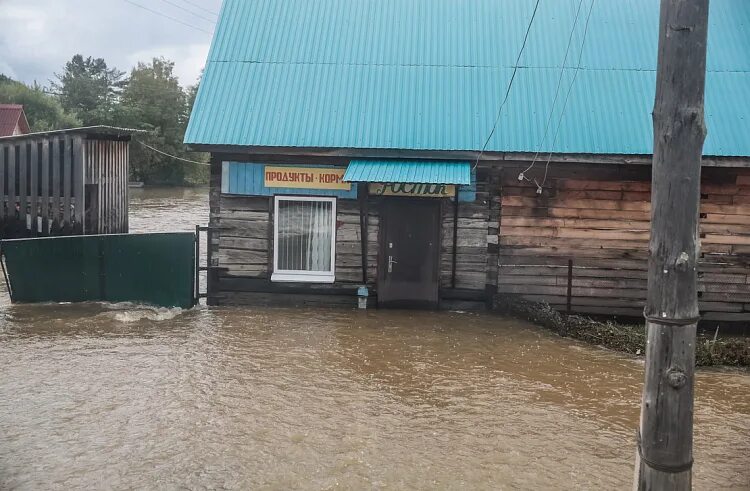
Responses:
[201,8]
[172,156]
[162,14]
[522,175]
[567,96]
[199,16]
[510,84]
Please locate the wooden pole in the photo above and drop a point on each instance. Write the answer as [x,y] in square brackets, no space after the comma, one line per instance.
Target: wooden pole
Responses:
[665,453]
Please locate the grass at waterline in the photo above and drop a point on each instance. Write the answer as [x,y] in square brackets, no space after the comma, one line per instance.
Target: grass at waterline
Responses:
[628,338]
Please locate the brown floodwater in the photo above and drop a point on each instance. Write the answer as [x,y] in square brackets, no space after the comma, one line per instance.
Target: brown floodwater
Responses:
[130,397]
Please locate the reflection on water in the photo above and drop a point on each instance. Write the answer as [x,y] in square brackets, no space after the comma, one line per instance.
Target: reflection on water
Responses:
[129,397]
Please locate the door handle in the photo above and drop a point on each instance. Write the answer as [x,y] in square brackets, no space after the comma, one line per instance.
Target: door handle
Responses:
[391,262]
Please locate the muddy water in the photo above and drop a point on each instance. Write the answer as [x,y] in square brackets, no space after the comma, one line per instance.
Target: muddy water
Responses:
[127,397]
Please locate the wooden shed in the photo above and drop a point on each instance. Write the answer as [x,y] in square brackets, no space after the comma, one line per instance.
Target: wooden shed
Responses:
[67,182]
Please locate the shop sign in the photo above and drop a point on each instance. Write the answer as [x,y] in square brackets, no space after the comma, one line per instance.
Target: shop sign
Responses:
[412,189]
[305,178]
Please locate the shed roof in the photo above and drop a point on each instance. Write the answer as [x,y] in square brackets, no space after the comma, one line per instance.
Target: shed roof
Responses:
[431,74]
[100,130]
[12,117]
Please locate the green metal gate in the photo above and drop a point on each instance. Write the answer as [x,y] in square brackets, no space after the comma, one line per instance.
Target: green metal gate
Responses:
[156,269]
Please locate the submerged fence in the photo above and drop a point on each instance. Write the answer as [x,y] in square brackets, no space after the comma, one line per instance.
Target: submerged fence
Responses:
[156,269]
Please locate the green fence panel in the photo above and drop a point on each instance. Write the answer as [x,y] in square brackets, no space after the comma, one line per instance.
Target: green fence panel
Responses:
[156,269]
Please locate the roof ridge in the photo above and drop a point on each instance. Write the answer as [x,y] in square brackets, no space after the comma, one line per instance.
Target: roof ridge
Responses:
[403,65]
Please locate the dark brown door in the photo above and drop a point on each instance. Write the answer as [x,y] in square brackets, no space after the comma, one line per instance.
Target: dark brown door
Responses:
[409,253]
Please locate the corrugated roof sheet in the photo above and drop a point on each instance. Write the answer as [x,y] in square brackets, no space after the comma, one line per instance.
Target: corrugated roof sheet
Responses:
[411,171]
[430,75]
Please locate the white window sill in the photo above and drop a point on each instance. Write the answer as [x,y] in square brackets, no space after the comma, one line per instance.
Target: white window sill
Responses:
[303,277]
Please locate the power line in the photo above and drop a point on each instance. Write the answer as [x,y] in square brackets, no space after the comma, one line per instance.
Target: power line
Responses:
[567,96]
[172,156]
[510,84]
[201,8]
[522,175]
[162,14]
[168,2]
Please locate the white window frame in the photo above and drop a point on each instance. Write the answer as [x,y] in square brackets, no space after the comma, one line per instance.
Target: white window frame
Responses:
[282,275]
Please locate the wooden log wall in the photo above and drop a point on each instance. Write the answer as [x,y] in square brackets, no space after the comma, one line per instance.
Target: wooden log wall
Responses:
[107,181]
[603,227]
[243,253]
[42,186]
[476,240]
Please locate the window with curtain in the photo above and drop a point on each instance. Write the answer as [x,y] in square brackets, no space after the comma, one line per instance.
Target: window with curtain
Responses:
[304,239]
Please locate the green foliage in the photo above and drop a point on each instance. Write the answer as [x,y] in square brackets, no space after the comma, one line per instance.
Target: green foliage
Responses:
[43,111]
[89,93]
[153,101]
[89,89]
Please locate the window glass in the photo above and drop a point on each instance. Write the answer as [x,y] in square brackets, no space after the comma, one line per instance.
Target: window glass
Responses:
[304,239]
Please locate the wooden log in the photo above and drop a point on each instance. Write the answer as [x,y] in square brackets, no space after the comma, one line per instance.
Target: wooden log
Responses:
[229,242]
[725,209]
[726,239]
[665,453]
[582,184]
[237,256]
[588,204]
[561,232]
[574,244]
[718,218]
[575,213]
[514,221]
[242,228]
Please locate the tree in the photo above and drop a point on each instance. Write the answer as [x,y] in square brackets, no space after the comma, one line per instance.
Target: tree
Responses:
[154,101]
[43,111]
[89,89]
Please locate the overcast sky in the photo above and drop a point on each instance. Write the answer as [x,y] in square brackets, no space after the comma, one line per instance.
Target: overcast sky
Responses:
[38,36]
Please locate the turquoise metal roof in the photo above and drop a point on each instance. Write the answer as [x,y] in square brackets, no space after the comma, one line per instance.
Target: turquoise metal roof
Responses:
[410,171]
[430,75]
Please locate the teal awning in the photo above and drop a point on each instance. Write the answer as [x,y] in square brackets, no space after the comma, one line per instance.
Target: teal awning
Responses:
[411,171]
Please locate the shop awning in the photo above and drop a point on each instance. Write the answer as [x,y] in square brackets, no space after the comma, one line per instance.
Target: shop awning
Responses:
[411,171]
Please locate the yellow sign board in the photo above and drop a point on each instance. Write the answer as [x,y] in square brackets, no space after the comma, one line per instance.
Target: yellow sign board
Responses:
[414,190]
[305,178]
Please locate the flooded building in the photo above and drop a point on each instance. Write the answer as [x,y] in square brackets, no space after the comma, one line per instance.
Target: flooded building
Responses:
[437,153]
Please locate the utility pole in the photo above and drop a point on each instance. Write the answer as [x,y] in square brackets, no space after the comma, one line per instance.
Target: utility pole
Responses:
[665,446]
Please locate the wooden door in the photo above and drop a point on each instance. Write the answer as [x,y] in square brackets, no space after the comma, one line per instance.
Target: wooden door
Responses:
[408,268]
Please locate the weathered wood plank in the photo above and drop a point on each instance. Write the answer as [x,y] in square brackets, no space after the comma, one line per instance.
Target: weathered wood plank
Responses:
[12,198]
[45,186]
[588,204]
[514,221]
[23,191]
[67,169]
[34,185]
[564,233]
